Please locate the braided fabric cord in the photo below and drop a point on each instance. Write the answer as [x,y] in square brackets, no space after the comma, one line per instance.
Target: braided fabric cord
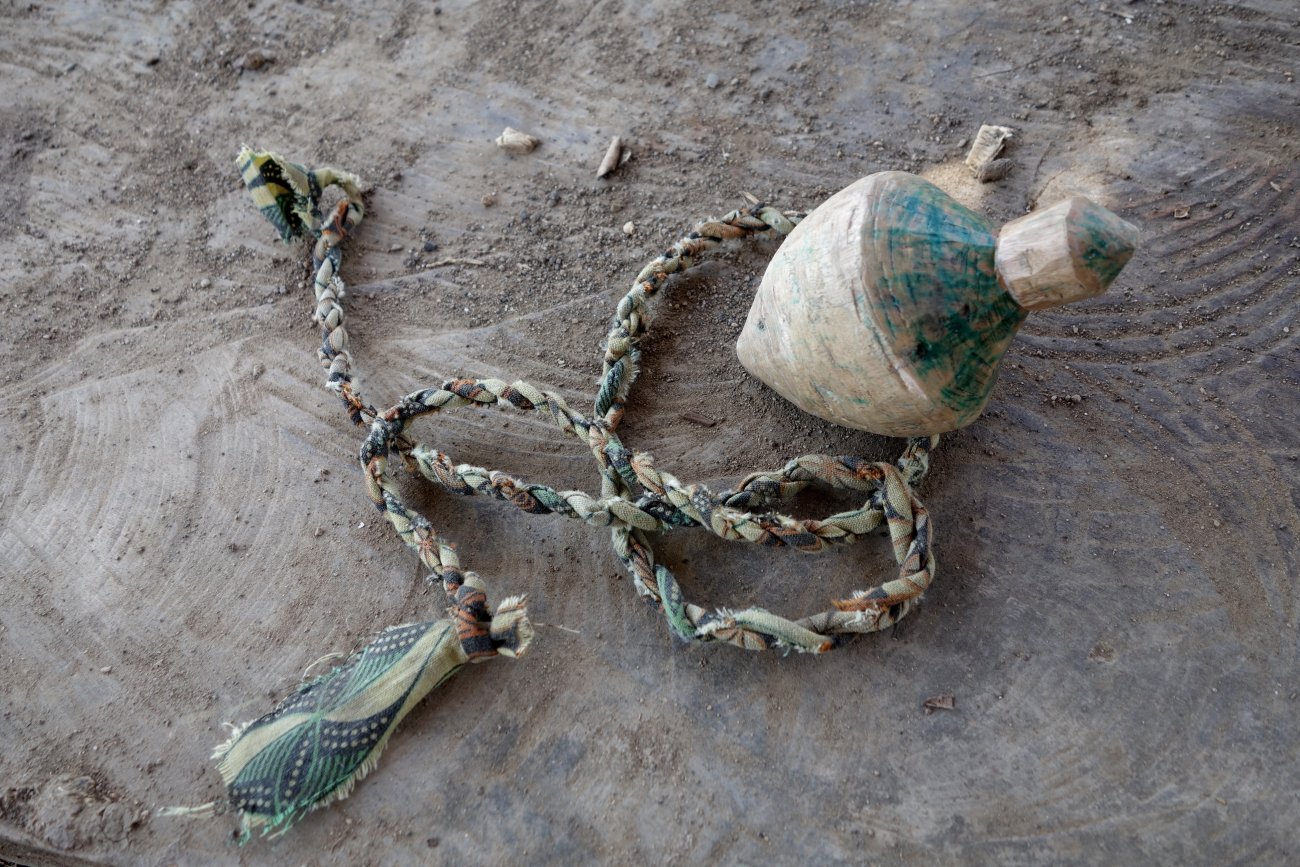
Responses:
[638,499]
[313,747]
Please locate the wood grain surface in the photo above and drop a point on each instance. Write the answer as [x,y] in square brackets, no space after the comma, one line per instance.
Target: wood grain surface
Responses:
[183,528]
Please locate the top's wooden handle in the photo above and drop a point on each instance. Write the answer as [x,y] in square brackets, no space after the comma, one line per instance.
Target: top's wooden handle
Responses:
[1068,252]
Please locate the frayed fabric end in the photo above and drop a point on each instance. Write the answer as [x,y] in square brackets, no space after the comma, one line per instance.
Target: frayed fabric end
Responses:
[311,750]
[320,741]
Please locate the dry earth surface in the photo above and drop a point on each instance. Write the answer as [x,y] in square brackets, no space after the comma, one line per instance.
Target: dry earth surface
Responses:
[184,527]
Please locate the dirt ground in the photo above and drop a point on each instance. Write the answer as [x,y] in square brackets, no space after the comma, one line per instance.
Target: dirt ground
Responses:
[184,528]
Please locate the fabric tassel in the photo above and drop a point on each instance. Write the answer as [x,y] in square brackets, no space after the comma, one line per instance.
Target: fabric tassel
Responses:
[319,741]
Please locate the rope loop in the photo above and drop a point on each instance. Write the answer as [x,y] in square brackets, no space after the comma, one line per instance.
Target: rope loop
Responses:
[637,499]
[314,746]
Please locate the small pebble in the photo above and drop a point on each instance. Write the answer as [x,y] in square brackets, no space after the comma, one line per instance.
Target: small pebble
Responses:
[1218,523]
[629,228]
[205,283]
[516,142]
[108,669]
[254,60]
[429,246]
[712,81]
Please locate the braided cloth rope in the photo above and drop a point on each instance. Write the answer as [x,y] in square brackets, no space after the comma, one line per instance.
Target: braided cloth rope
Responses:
[312,748]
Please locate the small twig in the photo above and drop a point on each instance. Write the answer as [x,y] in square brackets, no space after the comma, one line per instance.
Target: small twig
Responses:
[1039,59]
[1032,199]
[442,262]
[558,626]
[611,160]
[958,32]
[697,418]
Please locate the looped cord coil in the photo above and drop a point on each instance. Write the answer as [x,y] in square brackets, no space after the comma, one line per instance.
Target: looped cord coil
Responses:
[312,748]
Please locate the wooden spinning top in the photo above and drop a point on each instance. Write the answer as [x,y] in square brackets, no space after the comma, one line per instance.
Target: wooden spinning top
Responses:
[889,307]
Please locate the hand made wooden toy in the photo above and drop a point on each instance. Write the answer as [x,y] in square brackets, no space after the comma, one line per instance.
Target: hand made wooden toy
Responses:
[890,306]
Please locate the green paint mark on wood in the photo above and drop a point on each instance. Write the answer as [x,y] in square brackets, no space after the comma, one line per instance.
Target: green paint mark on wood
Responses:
[1098,246]
[943,309]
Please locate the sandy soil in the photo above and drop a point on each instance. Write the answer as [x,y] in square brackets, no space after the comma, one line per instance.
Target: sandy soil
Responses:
[184,529]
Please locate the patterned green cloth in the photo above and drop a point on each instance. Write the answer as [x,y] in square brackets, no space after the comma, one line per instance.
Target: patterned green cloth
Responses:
[319,741]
